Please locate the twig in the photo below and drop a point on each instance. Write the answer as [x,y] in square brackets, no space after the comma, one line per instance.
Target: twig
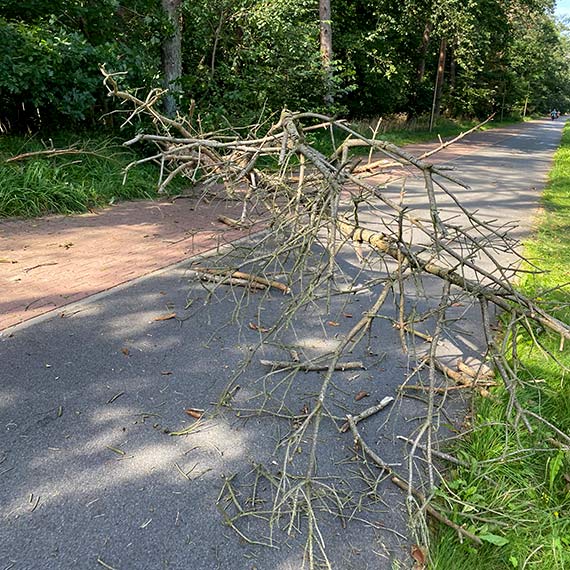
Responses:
[311,366]
[233,223]
[437,453]
[434,513]
[368,412]
[49,153]
[240,275]
[408,489]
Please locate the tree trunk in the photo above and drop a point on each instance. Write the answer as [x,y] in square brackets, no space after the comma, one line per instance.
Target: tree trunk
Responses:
[423,51]
[438,89]
[326,46]
[172,56]
[452,71]
[420,72]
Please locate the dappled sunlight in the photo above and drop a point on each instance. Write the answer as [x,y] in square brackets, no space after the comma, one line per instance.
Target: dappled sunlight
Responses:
[120,463]
[8,397]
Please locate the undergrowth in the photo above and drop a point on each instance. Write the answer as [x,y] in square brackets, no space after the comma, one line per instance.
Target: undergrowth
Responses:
[516,492]
[69,183]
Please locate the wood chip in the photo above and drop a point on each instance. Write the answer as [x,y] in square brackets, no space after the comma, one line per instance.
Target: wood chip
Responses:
[166,317]
[361,394]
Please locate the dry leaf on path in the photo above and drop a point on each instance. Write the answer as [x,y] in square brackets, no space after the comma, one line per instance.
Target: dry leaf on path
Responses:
[255,327]
[125,351]
[166,317]
[360,395]
[194,413]
[419,555]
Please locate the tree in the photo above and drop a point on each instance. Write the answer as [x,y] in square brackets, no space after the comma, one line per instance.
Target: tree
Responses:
[325,26]
[172,55]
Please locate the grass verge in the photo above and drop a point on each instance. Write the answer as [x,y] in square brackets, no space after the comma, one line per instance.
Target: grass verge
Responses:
[69,183]
[516,492]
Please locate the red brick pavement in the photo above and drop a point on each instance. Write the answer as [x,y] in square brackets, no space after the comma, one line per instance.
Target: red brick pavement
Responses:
[49,262]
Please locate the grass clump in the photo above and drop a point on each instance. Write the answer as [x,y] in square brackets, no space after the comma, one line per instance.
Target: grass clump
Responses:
[69,183]
[517,490]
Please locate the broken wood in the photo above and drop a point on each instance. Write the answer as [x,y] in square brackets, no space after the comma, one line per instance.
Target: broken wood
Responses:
[234,223]
[412,330]
[228,280]
[248,277]
[475,372]
[368,412]
[310,366]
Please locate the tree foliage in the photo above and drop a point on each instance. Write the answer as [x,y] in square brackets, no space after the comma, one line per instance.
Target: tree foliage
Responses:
[242,57]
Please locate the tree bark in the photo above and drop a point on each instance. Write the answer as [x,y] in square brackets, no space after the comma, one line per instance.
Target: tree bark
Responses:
[438,89]
[423,51]
[172,56]
[326,46]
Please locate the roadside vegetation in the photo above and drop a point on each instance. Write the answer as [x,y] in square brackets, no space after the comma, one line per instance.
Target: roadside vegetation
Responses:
[516,490]
[90,174]
[238,62]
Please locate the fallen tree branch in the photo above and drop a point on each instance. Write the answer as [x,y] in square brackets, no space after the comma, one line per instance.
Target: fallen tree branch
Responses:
[49,153]
[430,510]
[367,413]
[229,280]
[435,513]
[312,366]
[241,276]
[503,299]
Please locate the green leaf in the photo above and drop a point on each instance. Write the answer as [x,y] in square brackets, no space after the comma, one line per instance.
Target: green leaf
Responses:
[494,539]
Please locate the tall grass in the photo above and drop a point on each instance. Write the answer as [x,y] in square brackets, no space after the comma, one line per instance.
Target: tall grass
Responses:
[70,183]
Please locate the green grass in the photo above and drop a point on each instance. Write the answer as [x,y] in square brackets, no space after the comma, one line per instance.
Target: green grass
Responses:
[69,183]
[527,499]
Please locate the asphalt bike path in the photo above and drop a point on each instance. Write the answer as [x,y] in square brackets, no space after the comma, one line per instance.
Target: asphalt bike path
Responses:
[91,475]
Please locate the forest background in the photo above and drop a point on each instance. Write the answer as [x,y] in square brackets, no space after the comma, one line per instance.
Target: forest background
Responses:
[236,60]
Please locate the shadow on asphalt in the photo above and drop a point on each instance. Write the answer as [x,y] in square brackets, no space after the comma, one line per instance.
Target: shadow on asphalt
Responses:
[90,474]
[89,469]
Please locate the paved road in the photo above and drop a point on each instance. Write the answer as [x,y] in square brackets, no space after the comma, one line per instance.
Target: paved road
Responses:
[90,476]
